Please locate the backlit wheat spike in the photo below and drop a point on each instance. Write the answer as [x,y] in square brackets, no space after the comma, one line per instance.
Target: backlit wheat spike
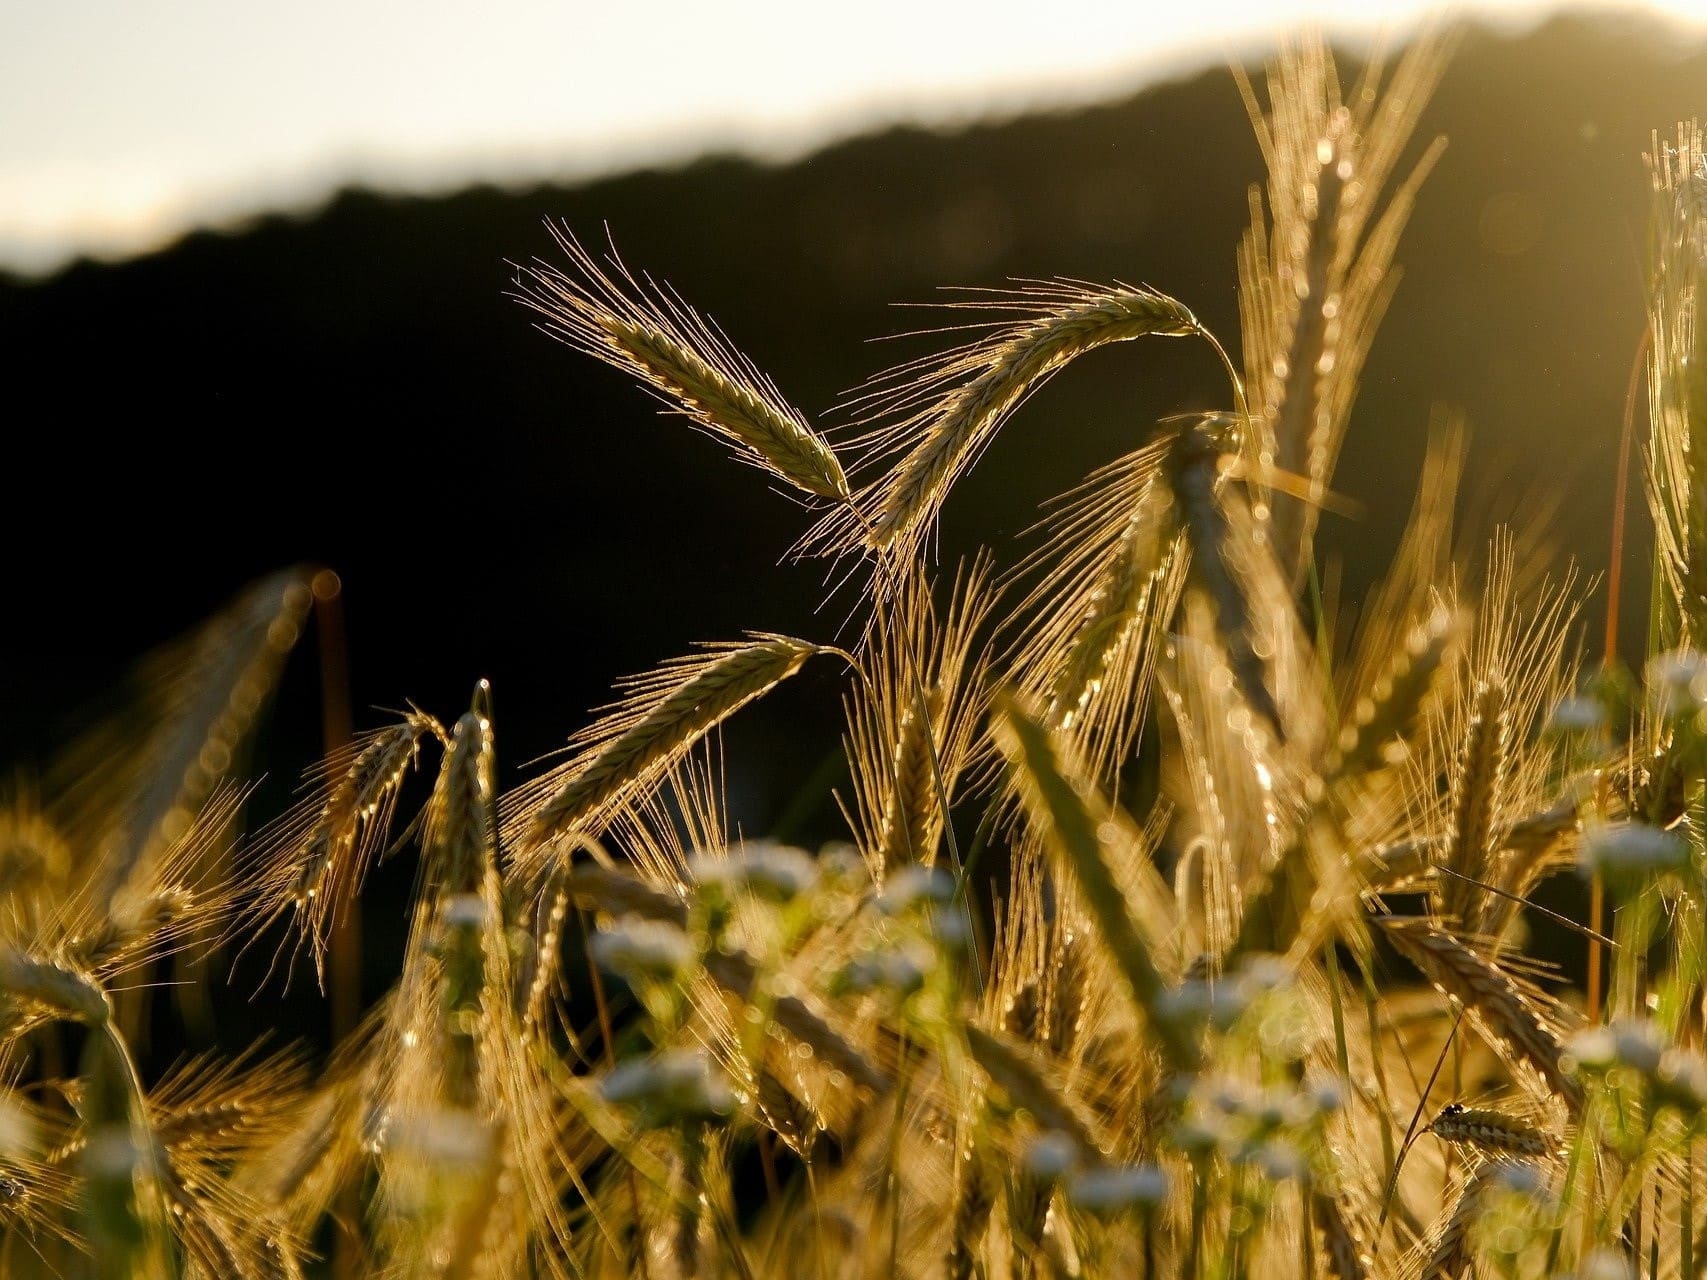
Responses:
[462,851]
[671,825]
[1409,591]
[976,1183]
[1068,991]
[64,991]
[179,897]
[1024,1076]
[323,1137]
[41,1193]
[465,1075]
[1478,785]
[1194,468]
[1521,657]
[1314,270]
[1118,603]
[1381,718]
[1493,1133]
[1507,1013]
[1449,1251]
[1108,577]
[1345,1257]
[1677,377]
[645,330]
[1041,965]
[1404,866]
[911,819]
[35,857]
[1073,817]
[222,1230]
[315,858]
[914,720]
[133,791]
[535,986]
[936,416]
[664,714]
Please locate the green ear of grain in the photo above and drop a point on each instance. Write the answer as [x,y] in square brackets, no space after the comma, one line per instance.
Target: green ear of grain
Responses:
[1070,818]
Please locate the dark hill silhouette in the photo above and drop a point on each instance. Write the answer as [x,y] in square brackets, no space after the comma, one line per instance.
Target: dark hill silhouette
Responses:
[348,388]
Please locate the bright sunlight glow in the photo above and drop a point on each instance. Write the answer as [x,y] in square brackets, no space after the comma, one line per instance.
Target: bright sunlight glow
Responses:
[123,125]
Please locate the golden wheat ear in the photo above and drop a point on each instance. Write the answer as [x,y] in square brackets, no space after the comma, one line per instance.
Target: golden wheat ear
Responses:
[1078,824]
[1677,379]
[469,1110]
[132,786]
[1315,268]
[1512,1015]
[1106,580]
[310,862]
[913,723]
[647,331]
[927,422]
[615,760]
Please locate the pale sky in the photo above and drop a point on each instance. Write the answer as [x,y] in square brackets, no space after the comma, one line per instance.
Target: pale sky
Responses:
[124,123]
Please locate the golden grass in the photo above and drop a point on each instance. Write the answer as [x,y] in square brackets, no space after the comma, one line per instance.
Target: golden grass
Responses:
[1248,992]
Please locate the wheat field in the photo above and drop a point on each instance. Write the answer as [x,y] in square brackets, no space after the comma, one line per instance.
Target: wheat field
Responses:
[1183,920]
